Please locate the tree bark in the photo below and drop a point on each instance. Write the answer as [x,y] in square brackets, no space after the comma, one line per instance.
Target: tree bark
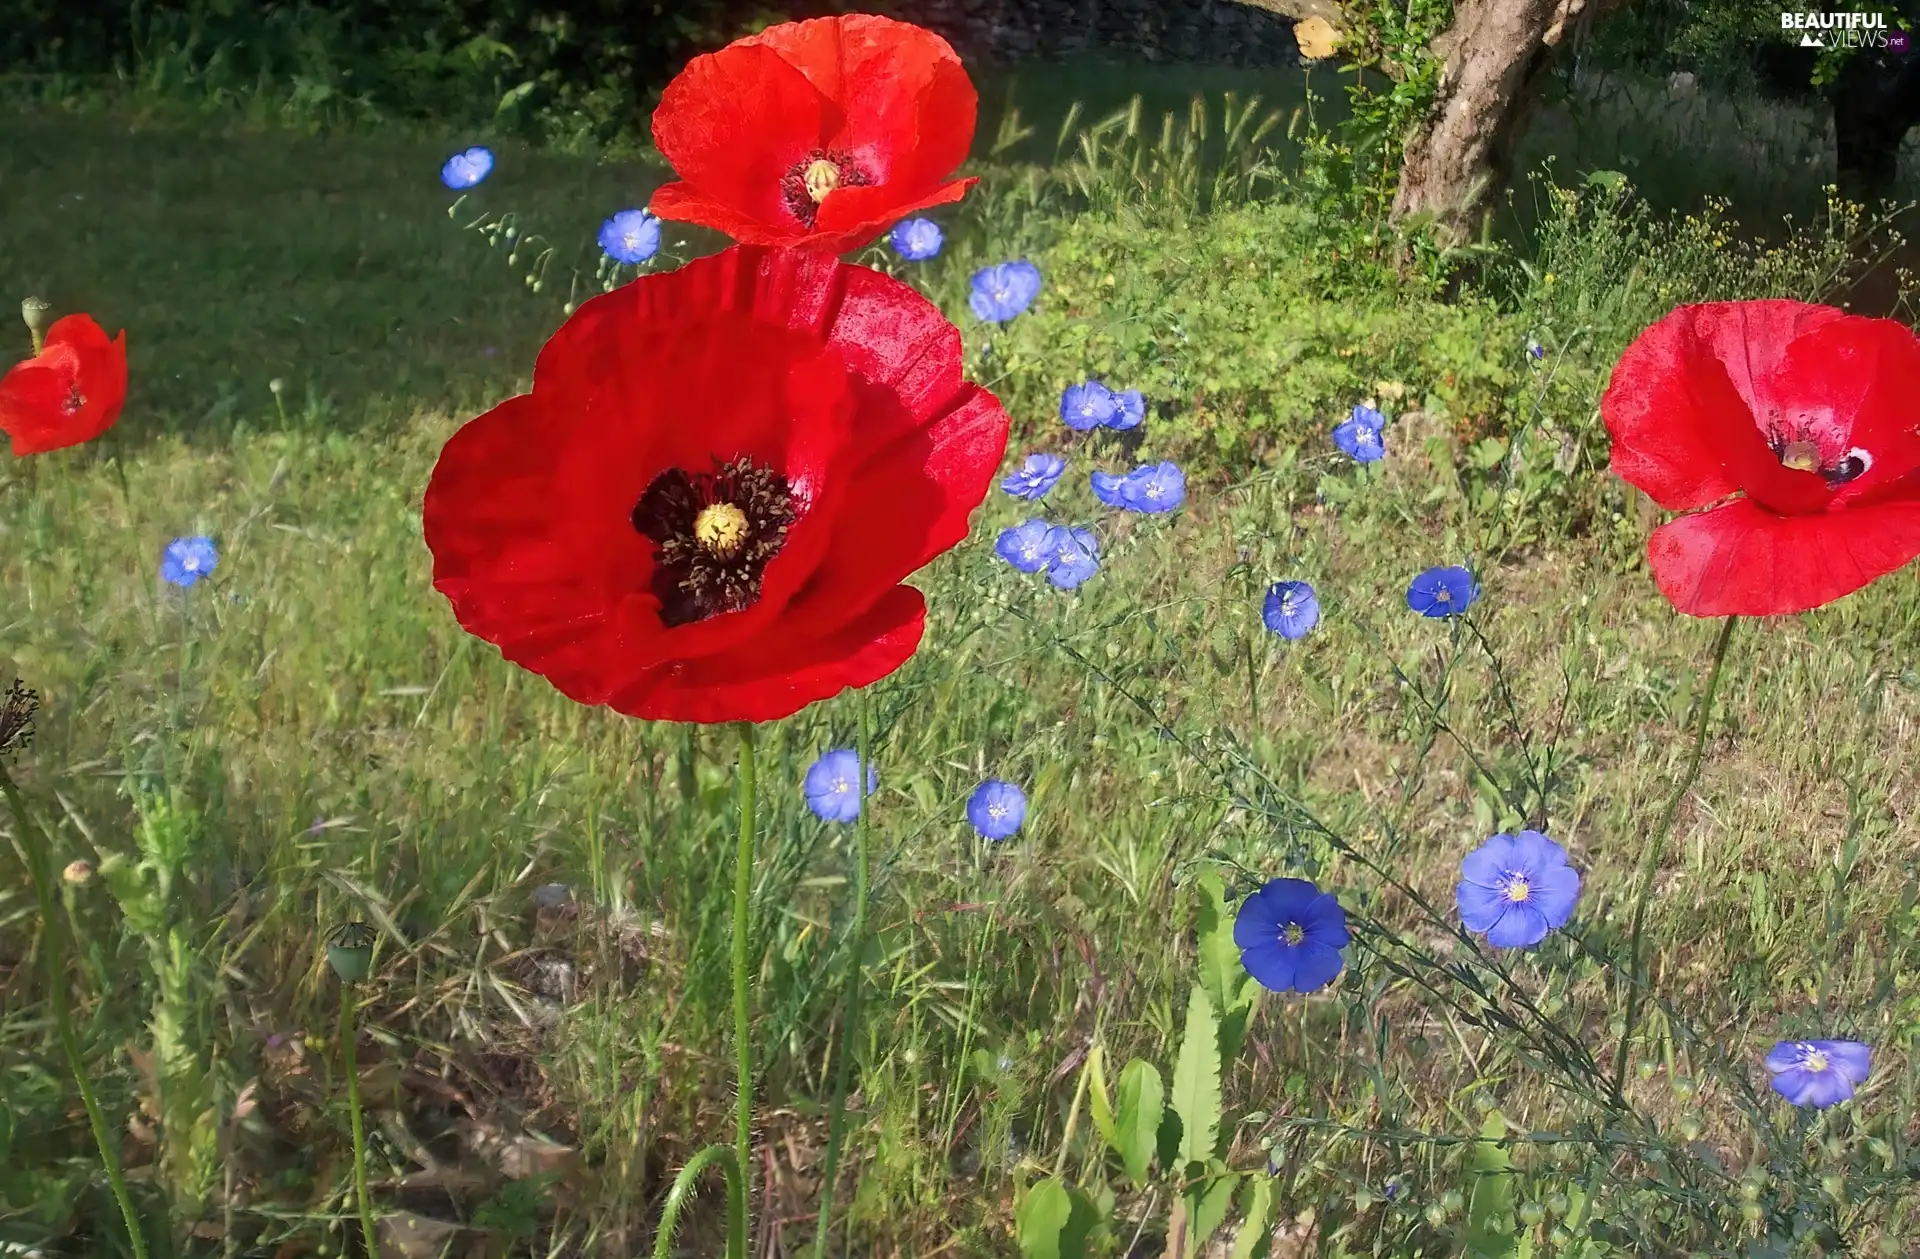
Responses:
[1494,57]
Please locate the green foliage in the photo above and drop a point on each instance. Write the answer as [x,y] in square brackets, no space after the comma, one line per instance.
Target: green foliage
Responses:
[1246,339]
[1196,1081]
[575,71]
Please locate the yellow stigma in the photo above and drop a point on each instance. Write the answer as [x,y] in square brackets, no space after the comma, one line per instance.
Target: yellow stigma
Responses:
[1517,890]
[1801,456]
[822,177]
[1295,933]
[720,528]
[1814,1060]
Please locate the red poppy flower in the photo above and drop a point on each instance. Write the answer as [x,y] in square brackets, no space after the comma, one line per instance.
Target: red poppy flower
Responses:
[822,133]
[1795,427]
[704,509]
[69,393]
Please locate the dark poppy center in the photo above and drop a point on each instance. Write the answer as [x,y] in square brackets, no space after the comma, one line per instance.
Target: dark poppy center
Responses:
[1802,454]
[713,534]
[809,180]
[74,400]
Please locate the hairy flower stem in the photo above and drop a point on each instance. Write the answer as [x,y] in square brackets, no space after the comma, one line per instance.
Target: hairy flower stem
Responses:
[843,1070]
[683,1186]
[33,845]
[1650,861]
[742,1014]
[350,1060]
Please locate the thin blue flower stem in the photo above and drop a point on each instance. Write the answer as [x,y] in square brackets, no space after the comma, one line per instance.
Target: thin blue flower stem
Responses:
[683,1186]
[350,1060]
[1650,861]
[857,933]
[742,1014]
[33,843]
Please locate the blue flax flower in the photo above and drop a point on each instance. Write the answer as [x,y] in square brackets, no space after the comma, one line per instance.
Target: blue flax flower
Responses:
[1073,555]
[1359,435]
[631,236]
[1155,487]
[829,785]
[1516,888]
[1535,350]
[187,560]
[1130,407]
[1037,476]
[916,240]
[1027,546]
[1004,290]
[1290,935]
[1087,406]
[1106,488]
[997,809]
[464,170]
[1819,1073]
[1442,592]
[1291,609]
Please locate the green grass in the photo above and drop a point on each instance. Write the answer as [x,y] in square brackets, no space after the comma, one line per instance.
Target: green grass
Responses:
[309,738]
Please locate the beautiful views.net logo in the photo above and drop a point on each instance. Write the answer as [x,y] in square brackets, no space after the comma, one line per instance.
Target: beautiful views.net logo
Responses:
[1845,30]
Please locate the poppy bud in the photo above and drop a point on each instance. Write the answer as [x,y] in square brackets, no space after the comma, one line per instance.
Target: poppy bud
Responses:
[34,311]
[276,386]
[78,872]
[350,952]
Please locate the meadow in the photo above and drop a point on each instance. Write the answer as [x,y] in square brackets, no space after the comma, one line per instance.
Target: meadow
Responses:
[308,738]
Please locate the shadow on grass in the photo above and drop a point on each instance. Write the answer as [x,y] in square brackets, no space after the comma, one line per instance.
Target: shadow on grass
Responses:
[234,255]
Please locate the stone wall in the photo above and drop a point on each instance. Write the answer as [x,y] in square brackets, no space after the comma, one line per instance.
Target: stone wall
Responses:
[1213,32]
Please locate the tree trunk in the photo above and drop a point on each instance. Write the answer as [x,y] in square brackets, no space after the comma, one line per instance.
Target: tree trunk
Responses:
[1494,56]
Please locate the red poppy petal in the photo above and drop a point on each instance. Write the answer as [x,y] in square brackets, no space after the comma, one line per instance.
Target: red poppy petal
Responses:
[851,212]
[1741,560]
[734,121]
[775,679]
[909,504]
[1852,383]
[908,108]
[683,203]
[1680,404]
[76,355]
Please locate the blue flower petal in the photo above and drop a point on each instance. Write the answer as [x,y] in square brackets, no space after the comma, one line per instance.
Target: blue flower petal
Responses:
[1316,966]
[1522,926]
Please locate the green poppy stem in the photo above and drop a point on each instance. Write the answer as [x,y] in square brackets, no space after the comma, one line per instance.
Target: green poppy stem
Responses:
[33,844]
[742,1013]
[683,1186]
[350,1060]
[1650,860]
[843,1069]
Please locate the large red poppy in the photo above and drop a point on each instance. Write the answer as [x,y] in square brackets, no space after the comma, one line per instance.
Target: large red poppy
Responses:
[822,133]
[70,392]
[1796,427]
[704,509]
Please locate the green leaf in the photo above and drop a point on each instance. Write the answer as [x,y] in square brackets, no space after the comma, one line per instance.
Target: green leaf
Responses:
[1220,971]
[1099,1101]
[1143,1097]
[1209,1209]
[1490,1205]
[1196,1081]
[1040,1219]
[1256,1206]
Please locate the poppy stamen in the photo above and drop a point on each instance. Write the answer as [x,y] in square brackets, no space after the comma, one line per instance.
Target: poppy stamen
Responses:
[809,180]
[714,534]
[1801,456]
[75,400]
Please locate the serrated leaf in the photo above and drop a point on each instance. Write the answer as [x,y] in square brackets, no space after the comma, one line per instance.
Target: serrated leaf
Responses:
[1099,1101]
[1490,1205]
[1142,1099]
[1220,971]
[1196,1081]
[1210,1207]
[1040,1219]
[1256,1206]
